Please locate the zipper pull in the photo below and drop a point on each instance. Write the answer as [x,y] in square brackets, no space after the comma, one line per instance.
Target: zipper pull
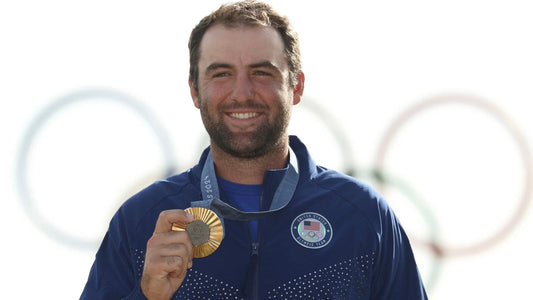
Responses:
[255,249]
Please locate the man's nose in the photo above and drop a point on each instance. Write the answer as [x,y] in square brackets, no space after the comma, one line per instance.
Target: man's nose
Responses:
[243,89]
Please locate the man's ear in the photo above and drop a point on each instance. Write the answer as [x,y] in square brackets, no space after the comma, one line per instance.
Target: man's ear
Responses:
[298,89]
[194,94]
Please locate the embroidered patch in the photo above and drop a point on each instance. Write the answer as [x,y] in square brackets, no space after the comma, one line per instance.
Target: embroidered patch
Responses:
[311,230]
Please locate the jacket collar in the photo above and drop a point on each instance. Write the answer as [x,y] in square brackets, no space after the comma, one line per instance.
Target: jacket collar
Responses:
[272,178]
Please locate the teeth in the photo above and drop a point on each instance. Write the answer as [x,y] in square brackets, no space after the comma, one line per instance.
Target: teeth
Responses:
[243,115]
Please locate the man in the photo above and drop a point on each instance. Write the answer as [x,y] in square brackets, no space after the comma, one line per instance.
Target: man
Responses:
[291,229]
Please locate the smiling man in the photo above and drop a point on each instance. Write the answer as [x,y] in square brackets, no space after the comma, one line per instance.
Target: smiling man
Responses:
[245,95]
[256,218]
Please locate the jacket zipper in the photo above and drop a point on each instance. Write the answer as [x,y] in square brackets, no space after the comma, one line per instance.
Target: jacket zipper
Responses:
[255,281]
[255,256]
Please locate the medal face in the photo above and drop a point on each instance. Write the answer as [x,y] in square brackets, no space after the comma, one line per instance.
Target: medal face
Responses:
[206,231]
[198,231]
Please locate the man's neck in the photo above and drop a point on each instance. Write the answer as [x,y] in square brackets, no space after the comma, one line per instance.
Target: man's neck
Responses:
[248,171]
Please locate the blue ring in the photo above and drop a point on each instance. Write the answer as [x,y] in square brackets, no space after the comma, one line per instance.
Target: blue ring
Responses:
[27,199]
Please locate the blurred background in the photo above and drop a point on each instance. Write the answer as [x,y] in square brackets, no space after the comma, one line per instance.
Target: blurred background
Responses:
[427,101]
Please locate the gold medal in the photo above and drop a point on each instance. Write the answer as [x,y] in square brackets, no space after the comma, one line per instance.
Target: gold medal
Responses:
[206,231]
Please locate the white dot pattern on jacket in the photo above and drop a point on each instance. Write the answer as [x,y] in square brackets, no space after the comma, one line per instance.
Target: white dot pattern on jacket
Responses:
[343,280]
[201,286]
[346,279]
[139,261]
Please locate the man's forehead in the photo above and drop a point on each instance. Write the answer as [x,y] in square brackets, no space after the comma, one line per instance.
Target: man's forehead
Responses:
[220,27]
[253,43]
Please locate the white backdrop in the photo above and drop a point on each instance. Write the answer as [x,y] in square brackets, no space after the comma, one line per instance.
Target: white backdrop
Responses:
[457,171]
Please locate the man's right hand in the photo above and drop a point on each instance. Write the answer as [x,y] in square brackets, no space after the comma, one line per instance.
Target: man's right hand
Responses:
[168,256]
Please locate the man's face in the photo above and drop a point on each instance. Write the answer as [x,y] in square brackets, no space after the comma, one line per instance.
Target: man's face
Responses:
[244,94]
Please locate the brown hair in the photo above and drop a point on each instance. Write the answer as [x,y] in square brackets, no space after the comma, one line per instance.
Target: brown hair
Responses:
[250,13]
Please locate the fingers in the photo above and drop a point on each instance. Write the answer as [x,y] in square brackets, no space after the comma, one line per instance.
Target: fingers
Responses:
[168,244]
[167,217]
[168,256]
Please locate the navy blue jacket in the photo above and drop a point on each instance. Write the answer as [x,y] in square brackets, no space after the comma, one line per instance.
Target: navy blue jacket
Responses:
[336,239]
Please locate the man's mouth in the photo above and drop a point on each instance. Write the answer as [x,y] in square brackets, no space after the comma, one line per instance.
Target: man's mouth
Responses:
[244,116]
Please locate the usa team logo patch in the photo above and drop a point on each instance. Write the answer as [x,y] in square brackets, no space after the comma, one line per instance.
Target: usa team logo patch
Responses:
[311,230]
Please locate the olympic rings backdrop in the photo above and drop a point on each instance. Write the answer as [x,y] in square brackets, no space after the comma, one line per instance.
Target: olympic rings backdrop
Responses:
[428,102]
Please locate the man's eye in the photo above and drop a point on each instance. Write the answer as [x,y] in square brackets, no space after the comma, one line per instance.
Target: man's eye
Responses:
[221,74]
[261,73]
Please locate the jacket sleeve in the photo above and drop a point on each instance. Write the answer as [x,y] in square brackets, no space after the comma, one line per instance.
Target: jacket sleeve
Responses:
[396,274]
[112,274]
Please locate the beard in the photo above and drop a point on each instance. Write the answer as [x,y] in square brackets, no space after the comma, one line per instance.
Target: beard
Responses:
[267,137]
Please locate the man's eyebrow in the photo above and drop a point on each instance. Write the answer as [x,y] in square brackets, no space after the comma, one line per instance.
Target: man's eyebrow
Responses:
[265,64]
[212,67]
[262,64]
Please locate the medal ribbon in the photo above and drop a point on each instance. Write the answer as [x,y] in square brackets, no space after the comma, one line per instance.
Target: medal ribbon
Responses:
[211,194]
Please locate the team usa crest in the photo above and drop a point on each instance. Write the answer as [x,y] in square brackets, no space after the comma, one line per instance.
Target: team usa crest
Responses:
[311,230]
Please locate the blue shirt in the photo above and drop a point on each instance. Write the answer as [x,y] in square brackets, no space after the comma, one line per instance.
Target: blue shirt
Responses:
[244,197]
